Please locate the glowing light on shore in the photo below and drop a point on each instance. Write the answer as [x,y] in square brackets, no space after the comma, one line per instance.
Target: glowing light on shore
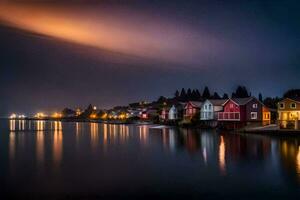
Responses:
[13,116]
[40,115]
[57,115]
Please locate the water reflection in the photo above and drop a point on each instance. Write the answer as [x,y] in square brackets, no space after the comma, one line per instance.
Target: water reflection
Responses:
[298,162]
[57,143]
[94,135]
[222,162]
[143,134]
[40,149]
[221,153]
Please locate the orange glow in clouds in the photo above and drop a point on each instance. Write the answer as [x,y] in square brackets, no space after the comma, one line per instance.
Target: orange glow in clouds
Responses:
[111,30]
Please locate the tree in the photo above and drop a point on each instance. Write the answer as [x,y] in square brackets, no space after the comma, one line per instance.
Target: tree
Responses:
[189,94]
[292,93]
[216,96]
[162,99]
[260,98]
[206,93]
[176,94]
[271,102]
[241,92]
[225,96]
[67,112]
[183,95]
[198,94]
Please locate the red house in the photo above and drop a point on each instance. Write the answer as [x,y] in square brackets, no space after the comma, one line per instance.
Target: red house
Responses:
[164,114]
[244,110]
[191,109]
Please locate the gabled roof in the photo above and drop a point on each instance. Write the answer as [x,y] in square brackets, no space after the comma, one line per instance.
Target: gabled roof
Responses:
[297,99]
[217,102]
[242,101]
[195,103]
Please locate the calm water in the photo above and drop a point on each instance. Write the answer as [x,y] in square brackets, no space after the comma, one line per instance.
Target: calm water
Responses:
[88,161]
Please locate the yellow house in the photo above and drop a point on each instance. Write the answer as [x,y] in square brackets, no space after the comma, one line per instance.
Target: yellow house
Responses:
[289,113]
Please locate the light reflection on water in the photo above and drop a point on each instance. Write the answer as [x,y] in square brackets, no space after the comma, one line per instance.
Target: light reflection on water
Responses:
[205,155]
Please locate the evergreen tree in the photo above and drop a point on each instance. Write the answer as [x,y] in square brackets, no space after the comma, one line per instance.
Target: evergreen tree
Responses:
[198,94]
[183,95]
[292,93]
[241,92]
[260,98]
[189,94]
[216,96]
[225,96]
[176,94]
[206,93]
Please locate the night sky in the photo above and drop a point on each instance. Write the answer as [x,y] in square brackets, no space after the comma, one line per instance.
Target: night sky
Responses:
[71,53]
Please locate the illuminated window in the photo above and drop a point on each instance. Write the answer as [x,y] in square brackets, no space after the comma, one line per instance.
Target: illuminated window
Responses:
[293,105]
[253,115]
[254,105]
[231,105]
[281,105]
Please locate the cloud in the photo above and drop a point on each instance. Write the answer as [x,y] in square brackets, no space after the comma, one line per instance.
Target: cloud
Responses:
[113,29]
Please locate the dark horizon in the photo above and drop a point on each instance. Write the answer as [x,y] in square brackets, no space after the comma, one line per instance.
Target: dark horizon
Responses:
[115,53]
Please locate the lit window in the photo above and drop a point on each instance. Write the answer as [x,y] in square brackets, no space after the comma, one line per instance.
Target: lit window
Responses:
[253,115]
[254,105]
[293,105]
[281,105]
[231,105]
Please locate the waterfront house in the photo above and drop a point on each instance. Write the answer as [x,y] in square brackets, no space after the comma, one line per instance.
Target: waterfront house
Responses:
[245,111]
[192,109]
[164,114]
[289,113]
[173,113]
[210,108]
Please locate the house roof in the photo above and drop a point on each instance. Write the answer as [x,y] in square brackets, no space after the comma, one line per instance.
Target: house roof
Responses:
[242,101]
[294,99]
[195,103]
[217,102]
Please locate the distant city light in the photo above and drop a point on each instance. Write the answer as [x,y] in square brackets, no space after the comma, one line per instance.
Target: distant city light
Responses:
[13,116]
[40,115]
[57,115]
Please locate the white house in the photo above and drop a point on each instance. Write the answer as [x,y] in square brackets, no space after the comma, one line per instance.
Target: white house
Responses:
[173,113]
[210,108]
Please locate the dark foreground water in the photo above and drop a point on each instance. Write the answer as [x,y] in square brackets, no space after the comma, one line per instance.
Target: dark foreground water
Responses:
[53,160]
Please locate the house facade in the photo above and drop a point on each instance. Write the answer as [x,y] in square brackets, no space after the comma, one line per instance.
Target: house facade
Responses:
[192,109]
[289,113]
[210,108]
[164,114]
[245,110]
[173,113]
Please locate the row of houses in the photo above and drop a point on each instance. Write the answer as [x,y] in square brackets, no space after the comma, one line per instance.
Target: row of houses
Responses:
[214,111]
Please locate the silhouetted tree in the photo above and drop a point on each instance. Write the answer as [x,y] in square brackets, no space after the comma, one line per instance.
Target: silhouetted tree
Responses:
[198,94]
[177,94]
[68,112]
[225,96]
[189,94]
[162,99]
[293,93]
[183,95]
[260,98]
[216,96]
[206,93]
[271,102]
[241,92]
[194,95]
